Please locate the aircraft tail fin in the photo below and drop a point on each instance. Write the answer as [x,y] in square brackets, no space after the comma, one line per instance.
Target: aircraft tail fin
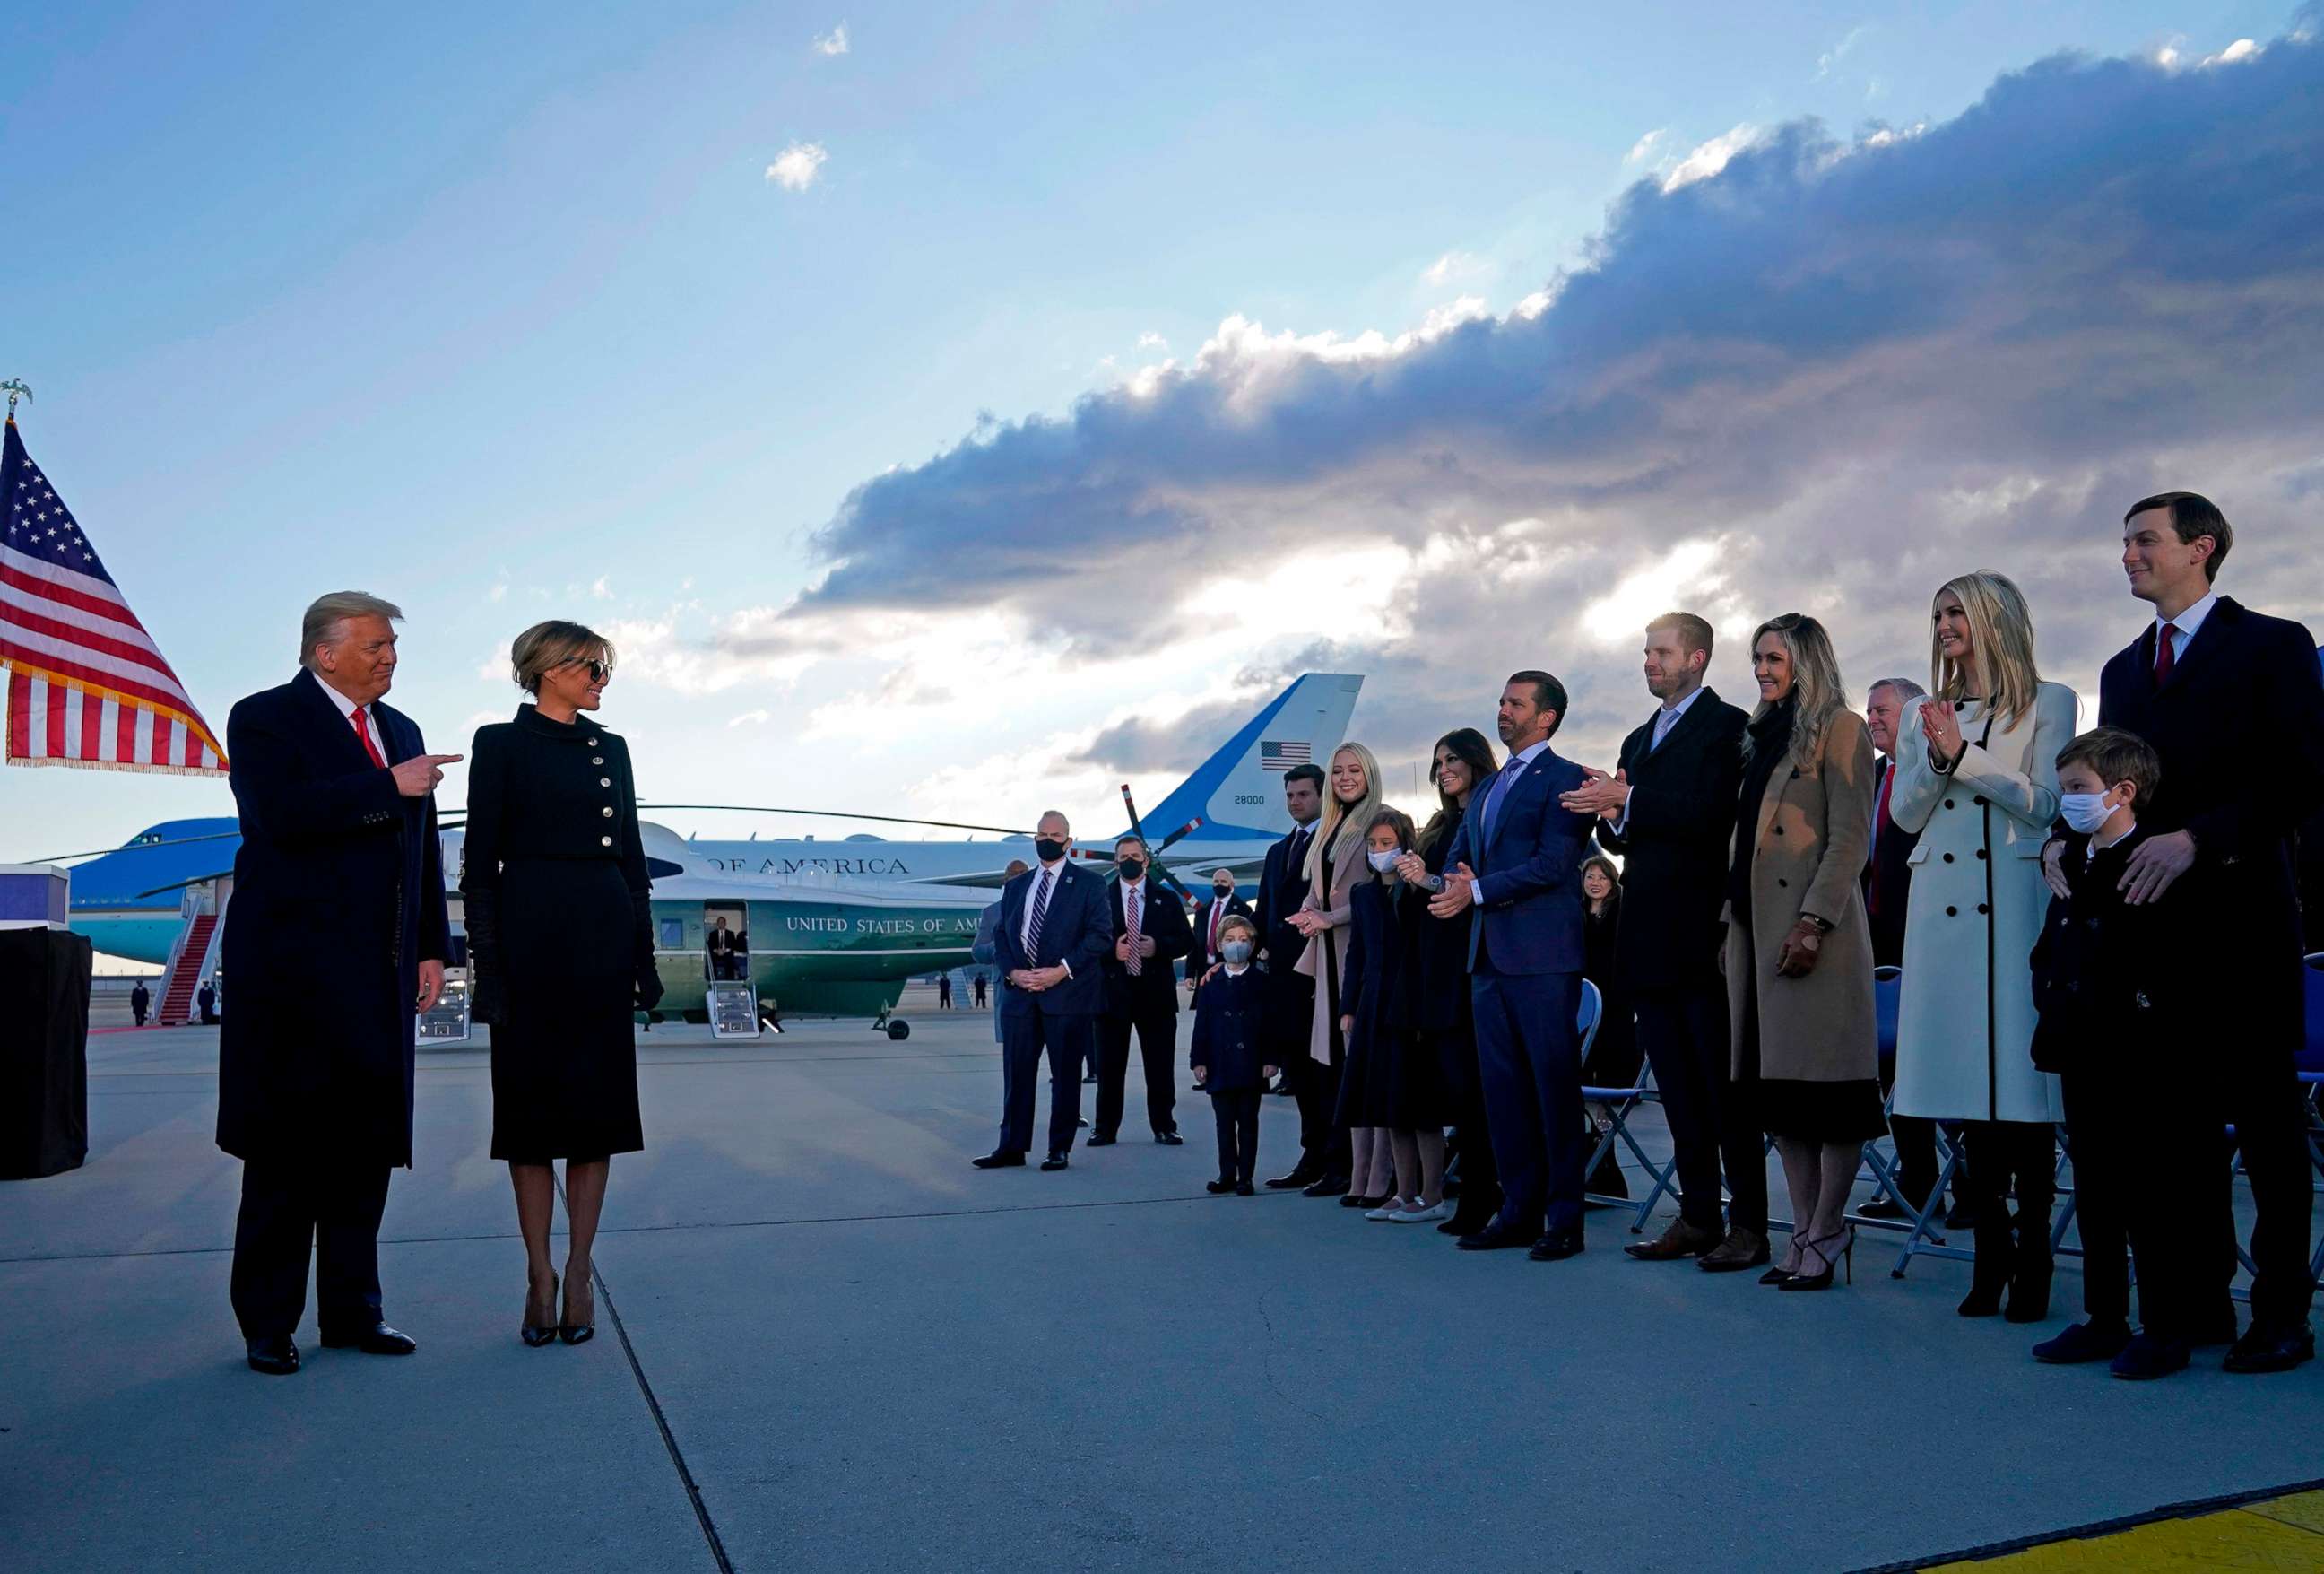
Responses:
[1238,791]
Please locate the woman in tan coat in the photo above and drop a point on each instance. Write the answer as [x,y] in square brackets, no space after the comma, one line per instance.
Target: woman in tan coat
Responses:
[1799,949]
[1336,864]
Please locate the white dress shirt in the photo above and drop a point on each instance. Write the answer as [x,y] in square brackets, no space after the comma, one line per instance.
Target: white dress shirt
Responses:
[2186,623]
[1667,721]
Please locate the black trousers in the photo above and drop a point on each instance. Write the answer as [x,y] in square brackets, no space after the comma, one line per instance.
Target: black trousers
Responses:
[2265,1106]
[295,1209]
[1917,1168]
[2009,1156]
[1025,1037]
[1237,1116]
[2141,1185]
[1684,1032]
[1323,1142]
[1157,1027]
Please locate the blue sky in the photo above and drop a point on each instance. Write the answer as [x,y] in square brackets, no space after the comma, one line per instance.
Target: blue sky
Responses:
[498,311]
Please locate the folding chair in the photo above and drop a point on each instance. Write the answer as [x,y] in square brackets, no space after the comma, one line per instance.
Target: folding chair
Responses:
[1620,1103]
[1887,997]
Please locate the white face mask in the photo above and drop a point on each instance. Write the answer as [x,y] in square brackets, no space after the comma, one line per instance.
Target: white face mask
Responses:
[1384,862]
[2085,812]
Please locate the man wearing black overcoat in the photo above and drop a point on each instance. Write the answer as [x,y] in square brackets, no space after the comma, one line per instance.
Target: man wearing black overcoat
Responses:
[1324,1158]
[315,1065]
[1141,996]
[1669,810]
[2232,702]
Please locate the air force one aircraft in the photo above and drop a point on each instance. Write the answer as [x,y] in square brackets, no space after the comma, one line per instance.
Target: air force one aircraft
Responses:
[132,902]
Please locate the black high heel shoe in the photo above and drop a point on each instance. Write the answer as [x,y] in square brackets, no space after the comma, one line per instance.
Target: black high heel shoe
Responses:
[579,1333]
[534,1334]
[1779,1273]
[1821,1250]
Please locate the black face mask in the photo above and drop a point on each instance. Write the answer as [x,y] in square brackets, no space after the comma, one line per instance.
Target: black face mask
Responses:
[1222,892]
[1132,869]
[1048,849]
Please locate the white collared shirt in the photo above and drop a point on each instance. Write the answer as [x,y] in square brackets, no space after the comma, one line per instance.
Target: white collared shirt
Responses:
[2185,624]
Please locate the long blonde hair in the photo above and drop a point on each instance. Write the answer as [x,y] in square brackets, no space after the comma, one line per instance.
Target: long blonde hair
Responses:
[2001,648]
[1817,692]
[1347,823]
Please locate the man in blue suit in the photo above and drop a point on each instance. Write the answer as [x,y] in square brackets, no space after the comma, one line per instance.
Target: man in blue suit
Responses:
[1514,872]
[1050,945]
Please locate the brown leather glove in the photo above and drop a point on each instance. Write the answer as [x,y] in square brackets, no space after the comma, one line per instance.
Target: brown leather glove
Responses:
[1797,957]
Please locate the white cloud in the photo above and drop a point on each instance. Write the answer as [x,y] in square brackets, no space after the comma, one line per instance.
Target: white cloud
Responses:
[1708,159]
[1150,340]
[499,592]
[1454,265]
[1836,53]
[602,589]
[795,169]
[833,42]
[1646,146]
[1681,577]
[750,718]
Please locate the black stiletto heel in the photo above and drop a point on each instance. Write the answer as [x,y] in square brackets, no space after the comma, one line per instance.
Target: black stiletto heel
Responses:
[1777,1274]
[579,1333]
[536,1335]
[1846,1236]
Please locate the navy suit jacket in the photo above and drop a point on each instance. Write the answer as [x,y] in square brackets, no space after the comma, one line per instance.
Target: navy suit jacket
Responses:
[1528,918]
[1163,921]
[1077,930]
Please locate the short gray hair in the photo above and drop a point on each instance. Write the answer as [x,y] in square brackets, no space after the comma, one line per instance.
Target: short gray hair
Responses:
[326,621]
[1906,688]
[1063,823]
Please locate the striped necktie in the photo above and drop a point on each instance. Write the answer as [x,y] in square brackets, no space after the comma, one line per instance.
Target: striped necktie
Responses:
[1133,912]
[1033,928]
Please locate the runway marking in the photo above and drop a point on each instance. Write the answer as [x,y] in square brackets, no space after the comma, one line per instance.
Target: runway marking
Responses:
[2274,1527]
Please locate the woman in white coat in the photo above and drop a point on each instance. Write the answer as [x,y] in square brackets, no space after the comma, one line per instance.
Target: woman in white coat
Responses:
[1977,777]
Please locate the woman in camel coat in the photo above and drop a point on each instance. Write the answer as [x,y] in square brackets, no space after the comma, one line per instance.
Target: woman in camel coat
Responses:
[1336,866]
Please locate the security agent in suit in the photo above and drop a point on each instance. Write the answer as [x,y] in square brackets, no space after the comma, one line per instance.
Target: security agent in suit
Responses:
[1141,996]
[2207,682]
[1322,1167]
[1212,911]
[985,947]
[1050,944]
[1669,809]
[1517,881]
[335,791]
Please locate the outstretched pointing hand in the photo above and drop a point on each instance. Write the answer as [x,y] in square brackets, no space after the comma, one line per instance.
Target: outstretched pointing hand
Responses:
[417,776]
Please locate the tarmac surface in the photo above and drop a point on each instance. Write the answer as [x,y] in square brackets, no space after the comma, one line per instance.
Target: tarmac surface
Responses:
[826,1343]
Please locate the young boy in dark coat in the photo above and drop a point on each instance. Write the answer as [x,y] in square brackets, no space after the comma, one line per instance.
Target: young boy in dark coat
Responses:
[1228,1021]
[2112,990]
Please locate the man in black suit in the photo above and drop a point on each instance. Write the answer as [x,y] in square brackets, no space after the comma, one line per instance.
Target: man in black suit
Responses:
[205,1003]
[141,1001]
[1322,1167]
[2231,701]
[1669,809]
[1141,996]
[335,797]
[1888,891]
[1212,911]
[1050,944]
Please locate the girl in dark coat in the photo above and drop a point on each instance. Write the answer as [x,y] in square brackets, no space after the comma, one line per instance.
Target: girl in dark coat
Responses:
[1229,1018]
[1614,1054]
[1393,1083]
[560,948]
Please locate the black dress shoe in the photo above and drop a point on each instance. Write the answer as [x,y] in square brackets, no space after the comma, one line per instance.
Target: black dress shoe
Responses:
[1220,1187]
[999,1159]
[1102,1139]
[1882,1207]
[1556,1246]
[1245,1189]
[2083,1342]
[1962,1216]
[1327,1186]
[277,1356]
[1169,1139]
[1054,1162]
[1301,1176]
[2266,1349]
[1493,1239]
[379,1339]
[1081,1122]
[2146,1357]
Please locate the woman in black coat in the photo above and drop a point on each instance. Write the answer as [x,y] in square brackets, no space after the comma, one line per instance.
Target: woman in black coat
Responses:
[1392,1082]
[1462,761]
[1614,1053]
[561,949]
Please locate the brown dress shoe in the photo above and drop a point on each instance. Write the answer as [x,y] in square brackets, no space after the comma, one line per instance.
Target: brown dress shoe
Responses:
[1741,1249]
[1681,1240]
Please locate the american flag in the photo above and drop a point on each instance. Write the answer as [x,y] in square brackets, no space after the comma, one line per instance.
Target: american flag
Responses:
[1275,756]
[86,685]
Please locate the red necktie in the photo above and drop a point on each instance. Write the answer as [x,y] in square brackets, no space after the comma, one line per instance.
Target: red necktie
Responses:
[364,732]
[2163,655]
[1217,912]
[1881,825]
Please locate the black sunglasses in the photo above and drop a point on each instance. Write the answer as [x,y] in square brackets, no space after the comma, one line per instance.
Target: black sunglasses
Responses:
[598,671]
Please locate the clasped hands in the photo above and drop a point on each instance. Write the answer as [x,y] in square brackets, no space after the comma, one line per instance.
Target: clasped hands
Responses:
[1600,795]
[1203,1073]
[1121,947]
[1036,979]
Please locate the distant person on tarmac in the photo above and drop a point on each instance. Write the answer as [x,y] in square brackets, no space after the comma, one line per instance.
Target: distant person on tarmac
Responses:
[944,992]
[336,792]
[141,1001]
[206,998]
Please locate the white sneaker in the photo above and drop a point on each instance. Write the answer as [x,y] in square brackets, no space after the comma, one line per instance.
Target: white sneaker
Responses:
[1387,1211]
[1422,1215]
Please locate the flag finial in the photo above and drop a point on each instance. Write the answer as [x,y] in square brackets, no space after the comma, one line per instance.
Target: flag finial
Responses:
[15,389]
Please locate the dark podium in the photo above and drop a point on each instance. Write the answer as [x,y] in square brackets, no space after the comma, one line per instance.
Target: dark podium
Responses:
[43,1052]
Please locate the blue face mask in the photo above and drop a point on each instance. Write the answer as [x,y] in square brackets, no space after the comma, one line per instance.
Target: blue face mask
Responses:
[1384,861]
[1236,952]
[2085,812]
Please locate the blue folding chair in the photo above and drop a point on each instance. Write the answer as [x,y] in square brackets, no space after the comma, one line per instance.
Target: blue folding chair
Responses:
[1620,1103]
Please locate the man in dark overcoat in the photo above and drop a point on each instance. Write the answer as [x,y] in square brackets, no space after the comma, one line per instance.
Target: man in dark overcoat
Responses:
[334,793]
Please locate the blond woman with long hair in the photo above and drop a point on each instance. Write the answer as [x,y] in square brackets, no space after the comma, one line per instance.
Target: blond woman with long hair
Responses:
[1336,866]
[1799,948]
[1976,779]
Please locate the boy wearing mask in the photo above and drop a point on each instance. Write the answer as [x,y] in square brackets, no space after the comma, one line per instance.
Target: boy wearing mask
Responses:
[1228,1013]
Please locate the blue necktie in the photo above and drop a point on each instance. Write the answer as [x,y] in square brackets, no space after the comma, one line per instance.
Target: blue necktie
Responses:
[1033,928]
[1500,789]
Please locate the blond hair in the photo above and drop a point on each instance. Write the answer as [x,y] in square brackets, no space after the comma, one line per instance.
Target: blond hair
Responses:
[1817,694]
[546,646]
[1344,822]
[325,623]
[2000,670]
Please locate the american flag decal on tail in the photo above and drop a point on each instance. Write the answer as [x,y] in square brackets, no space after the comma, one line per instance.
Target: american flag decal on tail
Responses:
[86,685]
[1275,756]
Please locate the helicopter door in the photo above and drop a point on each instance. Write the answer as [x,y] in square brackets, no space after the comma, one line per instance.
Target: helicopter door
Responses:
[732,998]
